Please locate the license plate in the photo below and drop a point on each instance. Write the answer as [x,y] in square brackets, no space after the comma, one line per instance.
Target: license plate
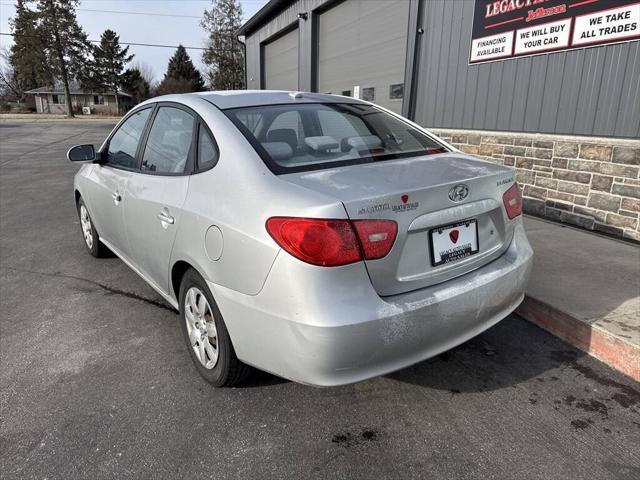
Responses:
[454,242]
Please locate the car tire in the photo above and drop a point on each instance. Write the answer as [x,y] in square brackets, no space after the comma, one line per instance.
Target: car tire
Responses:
[206,335]
[90,236]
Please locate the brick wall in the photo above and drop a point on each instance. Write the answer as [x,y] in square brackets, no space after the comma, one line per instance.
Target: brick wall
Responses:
[589,182]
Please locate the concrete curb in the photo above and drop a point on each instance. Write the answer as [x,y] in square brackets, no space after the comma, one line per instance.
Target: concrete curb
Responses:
[591,339]
[40,117]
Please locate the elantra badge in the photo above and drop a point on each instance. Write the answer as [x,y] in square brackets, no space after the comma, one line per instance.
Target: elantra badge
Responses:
[458,193]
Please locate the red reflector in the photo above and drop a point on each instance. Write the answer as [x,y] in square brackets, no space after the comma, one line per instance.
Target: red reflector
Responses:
[376,237]
[512,200]
[322,242]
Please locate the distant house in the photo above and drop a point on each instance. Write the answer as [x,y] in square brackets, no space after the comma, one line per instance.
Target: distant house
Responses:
[52,100]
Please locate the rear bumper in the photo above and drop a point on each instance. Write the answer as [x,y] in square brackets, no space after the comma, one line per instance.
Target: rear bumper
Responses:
[323,332]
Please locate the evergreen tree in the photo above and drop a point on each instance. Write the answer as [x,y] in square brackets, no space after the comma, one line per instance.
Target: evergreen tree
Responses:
[66,44]
[109,59]
[134,84]
[224,55]
[27,55]
[182,76]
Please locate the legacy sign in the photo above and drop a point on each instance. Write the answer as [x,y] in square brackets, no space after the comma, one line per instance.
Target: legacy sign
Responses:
[514,28]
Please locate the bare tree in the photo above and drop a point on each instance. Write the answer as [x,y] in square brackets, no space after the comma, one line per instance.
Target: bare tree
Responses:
[224,55]
[146,71]
[9,88]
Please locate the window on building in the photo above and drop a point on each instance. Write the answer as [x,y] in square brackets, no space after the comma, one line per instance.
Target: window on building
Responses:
[169,143]
[396,91]
[346,93]
[98,100]
[369,94]
[58,99]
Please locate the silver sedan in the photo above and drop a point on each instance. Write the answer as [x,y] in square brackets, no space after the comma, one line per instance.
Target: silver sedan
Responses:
[320,238]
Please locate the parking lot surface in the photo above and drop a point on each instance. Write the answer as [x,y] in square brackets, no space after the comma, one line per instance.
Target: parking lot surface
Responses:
[97,383]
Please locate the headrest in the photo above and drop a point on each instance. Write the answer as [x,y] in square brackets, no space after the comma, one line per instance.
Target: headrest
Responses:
[365,142]
[287,135]
[278,151]
[322,143]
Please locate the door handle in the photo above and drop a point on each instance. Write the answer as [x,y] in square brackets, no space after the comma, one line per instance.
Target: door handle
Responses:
[116,197]
[163,217]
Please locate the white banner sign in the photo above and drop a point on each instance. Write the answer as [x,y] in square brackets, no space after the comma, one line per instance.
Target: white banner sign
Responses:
[548,36]
[613,24]
[495,46]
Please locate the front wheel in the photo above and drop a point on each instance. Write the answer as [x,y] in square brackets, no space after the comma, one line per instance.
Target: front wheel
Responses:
[91,239]
[206,335]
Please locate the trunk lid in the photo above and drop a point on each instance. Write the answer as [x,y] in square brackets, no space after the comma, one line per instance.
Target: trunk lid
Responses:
[415,193]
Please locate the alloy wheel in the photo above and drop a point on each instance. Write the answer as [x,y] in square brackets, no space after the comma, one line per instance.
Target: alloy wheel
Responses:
[201,327]
[85,221]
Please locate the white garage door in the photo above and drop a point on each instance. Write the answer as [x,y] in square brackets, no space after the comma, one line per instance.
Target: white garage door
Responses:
[281,62]
[362,43]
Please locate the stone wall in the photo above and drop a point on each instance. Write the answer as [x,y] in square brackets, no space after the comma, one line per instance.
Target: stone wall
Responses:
[589,182]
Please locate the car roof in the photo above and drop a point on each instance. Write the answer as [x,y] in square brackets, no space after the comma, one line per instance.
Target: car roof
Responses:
[248,98]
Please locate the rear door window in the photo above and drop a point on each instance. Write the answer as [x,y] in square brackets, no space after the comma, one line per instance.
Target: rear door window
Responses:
[169,143]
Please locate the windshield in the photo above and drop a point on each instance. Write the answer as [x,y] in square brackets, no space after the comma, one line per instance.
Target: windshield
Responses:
[301,137]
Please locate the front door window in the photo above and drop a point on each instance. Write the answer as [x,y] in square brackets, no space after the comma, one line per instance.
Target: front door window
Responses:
[124,143]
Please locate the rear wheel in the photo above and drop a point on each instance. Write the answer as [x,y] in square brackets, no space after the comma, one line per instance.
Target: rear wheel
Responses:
[91,239]
[206,335]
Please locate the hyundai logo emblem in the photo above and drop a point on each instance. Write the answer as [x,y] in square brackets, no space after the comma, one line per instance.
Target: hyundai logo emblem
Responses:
[458,193]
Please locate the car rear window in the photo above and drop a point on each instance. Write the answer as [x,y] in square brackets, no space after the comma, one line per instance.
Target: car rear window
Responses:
[308,136]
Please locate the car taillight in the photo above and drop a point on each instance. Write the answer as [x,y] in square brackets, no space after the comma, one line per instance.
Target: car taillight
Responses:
[512,200]
[376,237]
[317,241]
[329,242]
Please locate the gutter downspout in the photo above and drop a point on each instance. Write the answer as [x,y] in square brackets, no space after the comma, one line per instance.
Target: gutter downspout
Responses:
[415,33]
[242,39]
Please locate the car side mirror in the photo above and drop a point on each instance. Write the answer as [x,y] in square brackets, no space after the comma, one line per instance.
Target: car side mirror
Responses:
[82,153]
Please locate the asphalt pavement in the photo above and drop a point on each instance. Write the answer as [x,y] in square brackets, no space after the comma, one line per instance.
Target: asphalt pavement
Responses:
[97,383]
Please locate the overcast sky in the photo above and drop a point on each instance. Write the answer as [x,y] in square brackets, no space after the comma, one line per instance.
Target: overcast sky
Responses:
[166,30]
